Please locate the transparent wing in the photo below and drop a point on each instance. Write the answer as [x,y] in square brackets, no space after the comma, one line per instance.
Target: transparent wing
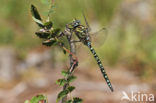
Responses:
[98,37]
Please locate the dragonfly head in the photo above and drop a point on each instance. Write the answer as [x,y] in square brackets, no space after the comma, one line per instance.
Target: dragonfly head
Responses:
[75,23]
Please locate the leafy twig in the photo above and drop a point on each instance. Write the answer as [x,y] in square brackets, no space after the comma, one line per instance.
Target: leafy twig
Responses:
[50,36]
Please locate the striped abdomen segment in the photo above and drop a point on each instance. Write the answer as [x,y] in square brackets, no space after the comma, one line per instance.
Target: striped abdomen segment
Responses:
[100,65]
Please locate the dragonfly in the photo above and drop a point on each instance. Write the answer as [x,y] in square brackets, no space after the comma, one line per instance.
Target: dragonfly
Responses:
[52,36]
[83,34]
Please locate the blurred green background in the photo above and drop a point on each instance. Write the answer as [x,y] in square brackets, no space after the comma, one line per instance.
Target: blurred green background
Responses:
[131,40]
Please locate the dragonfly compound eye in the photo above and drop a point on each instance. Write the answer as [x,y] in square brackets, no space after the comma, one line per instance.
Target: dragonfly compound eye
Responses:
[76,23]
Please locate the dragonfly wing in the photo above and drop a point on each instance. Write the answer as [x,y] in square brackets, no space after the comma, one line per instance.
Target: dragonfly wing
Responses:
[99,37]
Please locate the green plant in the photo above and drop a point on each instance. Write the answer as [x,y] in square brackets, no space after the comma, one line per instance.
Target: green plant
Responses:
[53,36]
[68,78]
[37,99]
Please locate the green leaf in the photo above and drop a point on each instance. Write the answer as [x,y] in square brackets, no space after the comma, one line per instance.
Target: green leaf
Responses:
[39,99]
[43,35]
[64,51]
[62,94]
[61,82]
[77,100]
[55,32]
[48,24]
[70,88]
[71,78]
[65,73]
[49,42]
[69,101]
[34,12]
[36,16]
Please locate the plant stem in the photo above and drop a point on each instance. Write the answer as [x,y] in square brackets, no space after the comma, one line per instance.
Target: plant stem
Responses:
[73,62]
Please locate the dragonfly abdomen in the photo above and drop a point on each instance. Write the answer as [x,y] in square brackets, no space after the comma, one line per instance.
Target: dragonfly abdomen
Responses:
[100,66]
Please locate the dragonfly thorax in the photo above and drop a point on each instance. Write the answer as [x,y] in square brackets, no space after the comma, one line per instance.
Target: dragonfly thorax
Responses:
[82,34]
[81,31]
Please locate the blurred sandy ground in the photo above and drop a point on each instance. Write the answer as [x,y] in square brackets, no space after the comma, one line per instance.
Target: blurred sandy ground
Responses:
[129,55]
